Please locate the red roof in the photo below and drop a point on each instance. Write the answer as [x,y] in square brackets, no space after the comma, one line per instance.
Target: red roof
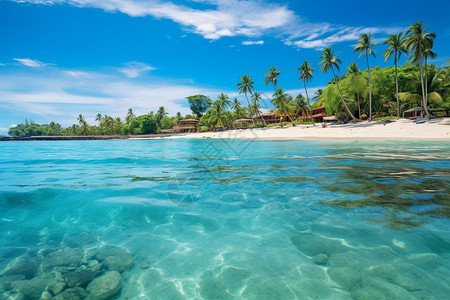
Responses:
[320,107]
[319,115]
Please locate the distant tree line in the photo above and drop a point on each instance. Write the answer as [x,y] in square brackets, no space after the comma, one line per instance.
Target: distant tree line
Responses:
[132,125]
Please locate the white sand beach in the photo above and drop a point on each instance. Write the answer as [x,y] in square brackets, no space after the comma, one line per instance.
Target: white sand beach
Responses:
[436,129]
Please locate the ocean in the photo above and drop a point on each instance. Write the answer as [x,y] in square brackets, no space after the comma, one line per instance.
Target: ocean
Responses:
[224,219]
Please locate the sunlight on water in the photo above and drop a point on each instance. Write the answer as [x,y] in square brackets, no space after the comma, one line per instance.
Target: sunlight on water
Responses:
[215,219]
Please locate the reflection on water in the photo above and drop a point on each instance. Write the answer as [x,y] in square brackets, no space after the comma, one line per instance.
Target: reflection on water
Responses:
[199,219]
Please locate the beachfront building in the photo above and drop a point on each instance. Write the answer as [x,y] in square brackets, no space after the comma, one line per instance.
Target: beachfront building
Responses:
[188,125]
[268,118]
[317,114]
[242,123]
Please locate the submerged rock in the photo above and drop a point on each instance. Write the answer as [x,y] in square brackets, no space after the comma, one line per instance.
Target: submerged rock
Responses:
[34,288]
[24,266]
[81,239]
[57,286]
[79,278]
[115,258]
[105,286]
[320,259]
[76,293]
[64,257]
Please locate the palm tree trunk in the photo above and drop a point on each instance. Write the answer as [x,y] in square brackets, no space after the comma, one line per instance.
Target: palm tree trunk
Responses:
[426,80]
[396,86]
[250,109]
[359,106]
[307,99]
[342,97]
[423,88]
[306,91]
[370,89]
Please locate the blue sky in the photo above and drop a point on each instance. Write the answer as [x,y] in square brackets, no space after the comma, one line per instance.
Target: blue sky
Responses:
[59,58]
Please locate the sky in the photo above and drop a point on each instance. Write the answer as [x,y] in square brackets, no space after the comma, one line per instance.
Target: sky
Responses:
[60,58]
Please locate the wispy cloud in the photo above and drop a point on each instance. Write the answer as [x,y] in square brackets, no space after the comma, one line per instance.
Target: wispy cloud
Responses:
[77,74]
[249,43]
[343,34]
[229,18]
[135,69]
[55,96]
[30,62]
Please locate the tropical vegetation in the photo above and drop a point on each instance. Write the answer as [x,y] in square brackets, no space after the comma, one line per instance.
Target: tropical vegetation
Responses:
[375,93]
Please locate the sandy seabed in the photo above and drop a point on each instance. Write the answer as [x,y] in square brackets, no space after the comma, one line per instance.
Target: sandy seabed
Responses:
[436,129]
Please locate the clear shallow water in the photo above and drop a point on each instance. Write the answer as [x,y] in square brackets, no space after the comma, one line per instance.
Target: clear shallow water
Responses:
[236,219]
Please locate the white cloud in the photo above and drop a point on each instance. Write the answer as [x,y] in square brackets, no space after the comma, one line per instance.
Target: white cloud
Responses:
[344,34]
[30,62]
[135,69]
[248,43]
[2,65]
[12,125]
[77,74]
[228,18]
[54,96]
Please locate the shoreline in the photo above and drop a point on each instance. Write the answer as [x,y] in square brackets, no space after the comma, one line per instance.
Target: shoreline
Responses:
[435,130]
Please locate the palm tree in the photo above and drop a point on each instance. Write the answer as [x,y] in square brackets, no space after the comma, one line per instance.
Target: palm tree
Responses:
[365,46]
[98,118]
[256,97]
[160,114]
[317,95]
[236,106]
[279,101]
[330,61]
[355,83]
[396,46]
[224,101]
[428,53]
[353,68]
[130,116]
[272,76]
[82,123]
[246,86]
[415,42]
[306,74]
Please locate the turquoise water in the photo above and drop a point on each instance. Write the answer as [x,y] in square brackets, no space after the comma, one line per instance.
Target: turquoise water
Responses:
[229,219]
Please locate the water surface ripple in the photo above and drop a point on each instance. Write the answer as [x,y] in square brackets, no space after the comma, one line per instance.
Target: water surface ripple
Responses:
[226,219]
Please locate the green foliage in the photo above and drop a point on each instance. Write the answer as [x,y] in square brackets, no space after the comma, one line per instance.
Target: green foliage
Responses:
[199,104]
[354,86]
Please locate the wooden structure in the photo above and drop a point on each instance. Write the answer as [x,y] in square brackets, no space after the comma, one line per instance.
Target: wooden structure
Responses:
[242,123]
[317,114]
[188,125]
[268,118]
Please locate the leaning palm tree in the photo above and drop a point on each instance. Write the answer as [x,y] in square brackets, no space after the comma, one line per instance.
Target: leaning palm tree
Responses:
[246,86]
[330,61]
[415,42]
[306,74]
[365,46]
[272,76]
[396,46]
[428,53]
